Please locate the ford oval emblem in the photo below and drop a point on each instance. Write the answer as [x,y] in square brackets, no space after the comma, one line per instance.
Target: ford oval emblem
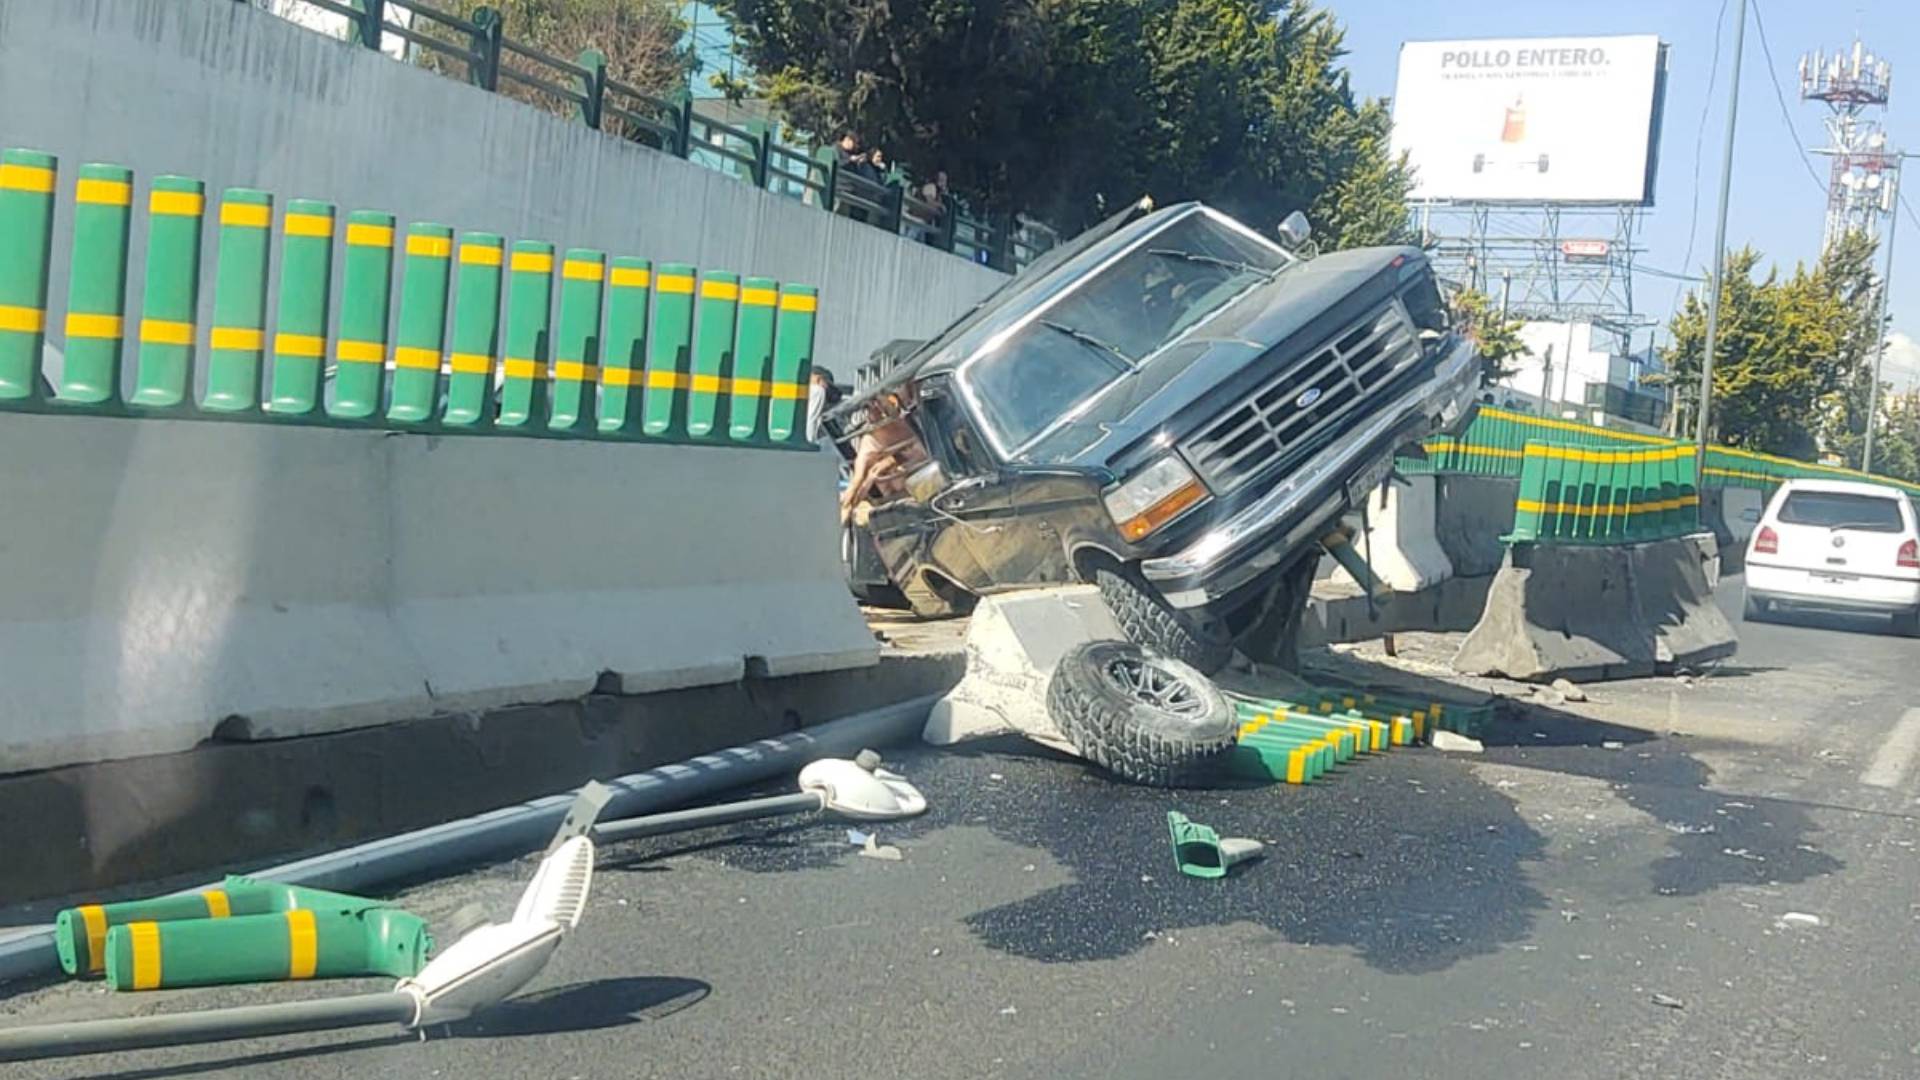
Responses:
[1307,397]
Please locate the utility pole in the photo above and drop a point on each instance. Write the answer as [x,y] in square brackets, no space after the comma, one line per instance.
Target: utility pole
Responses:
[1880,333]
[1719,247]
[1506,289]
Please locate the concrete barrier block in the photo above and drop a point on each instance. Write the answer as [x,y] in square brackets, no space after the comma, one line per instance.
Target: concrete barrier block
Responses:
[523,570]
[165,581]
[1471,514]
[1599,612]
[1557,611]
[161,576]
[1013,644]
[1401,543]
[1338,613]
[1674,583]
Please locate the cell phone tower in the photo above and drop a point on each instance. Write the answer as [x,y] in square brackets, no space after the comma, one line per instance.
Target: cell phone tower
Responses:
[1866,171]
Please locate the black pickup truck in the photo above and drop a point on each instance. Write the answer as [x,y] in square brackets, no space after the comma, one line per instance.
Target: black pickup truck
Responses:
[1173,407]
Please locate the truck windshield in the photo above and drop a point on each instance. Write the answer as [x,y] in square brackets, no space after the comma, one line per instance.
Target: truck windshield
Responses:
[1110,326]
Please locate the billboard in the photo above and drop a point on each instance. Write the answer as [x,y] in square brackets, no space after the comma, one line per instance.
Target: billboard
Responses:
[1547,120]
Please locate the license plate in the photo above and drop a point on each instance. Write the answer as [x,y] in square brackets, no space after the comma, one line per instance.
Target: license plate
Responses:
[1363,483]
[1836,579]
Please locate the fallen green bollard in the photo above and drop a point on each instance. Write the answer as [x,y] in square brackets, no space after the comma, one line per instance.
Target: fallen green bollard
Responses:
[298,944]
[80,933]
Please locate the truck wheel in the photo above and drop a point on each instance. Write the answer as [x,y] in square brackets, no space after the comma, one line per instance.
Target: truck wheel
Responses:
[1274,636]
[1151,621]
[1145,718]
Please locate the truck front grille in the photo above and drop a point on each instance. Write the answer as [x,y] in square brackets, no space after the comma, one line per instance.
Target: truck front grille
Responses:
[1311,395]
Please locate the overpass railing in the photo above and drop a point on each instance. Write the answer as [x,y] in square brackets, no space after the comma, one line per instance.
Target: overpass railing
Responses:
[476,344]
[582,87]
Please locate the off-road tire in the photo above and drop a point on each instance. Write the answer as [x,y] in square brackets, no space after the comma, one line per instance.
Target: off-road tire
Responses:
[1150,621]
[1120,731]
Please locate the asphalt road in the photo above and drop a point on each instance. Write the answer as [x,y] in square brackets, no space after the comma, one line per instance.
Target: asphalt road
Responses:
[1552,907]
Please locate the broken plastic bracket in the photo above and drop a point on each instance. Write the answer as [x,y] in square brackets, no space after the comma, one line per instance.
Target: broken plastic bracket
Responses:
[1200,852]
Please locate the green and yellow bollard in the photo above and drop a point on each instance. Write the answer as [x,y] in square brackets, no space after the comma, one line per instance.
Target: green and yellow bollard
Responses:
[170,297]
[421,333]
[238,338]
[623,361]
[792,360]
[712,350]
[523,388]
[366,298]
[576,350]
[306,286]
[80,932]
[26,256]
[752,357]
[668,371]
[304,943]
[476,328]
[97,285]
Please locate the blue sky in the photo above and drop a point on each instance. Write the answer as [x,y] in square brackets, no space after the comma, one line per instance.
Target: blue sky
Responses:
[1775,205]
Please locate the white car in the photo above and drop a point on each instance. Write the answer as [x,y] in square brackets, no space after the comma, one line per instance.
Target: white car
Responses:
[1837,545]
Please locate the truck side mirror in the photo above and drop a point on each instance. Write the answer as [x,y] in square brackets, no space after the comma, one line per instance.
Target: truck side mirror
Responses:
[1295,230]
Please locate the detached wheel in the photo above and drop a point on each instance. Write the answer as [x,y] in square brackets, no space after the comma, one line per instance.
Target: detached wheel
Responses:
[1147,719]
[1150,621]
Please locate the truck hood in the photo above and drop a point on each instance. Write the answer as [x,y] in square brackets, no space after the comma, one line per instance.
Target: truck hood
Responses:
[1222,358]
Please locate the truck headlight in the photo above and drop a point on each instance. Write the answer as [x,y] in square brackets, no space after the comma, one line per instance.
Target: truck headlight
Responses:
[1153,496]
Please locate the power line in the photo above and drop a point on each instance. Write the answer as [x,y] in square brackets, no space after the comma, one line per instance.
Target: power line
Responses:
[1699,147]
[1786,117]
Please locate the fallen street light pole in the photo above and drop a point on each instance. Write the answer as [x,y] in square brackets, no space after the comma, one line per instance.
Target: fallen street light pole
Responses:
[859,789]
[479,971]
[1719,253]
[524,827]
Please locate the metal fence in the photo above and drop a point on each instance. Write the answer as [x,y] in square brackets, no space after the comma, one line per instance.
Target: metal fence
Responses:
[674,125]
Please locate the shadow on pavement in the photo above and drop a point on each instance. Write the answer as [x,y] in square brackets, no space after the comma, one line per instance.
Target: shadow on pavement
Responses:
[1713,838]
[587,1006]
[582,1006]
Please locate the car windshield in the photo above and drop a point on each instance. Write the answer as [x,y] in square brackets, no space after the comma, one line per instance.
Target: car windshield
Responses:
[1114,324]
[1842,509]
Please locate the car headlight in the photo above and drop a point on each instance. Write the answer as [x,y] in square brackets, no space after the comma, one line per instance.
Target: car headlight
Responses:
[1153,496]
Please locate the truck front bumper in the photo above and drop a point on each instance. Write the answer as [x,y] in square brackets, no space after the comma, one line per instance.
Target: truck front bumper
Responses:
[1237,551]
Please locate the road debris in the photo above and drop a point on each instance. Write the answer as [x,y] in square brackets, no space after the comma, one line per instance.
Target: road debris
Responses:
[874,849]
[1613,744]
[1547,695]
[1569,690]
[1455,743]
[1801,918]
[1667,1001]
[1200,852]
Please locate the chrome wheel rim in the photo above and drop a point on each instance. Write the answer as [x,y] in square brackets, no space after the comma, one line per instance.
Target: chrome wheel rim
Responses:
[1151,684]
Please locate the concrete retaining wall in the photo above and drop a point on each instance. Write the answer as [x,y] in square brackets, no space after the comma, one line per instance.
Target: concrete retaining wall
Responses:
[162,577]
[235,96]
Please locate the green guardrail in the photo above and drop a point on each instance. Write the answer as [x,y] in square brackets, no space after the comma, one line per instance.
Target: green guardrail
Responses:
[1495,442]
[1574,495]
[635,352]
